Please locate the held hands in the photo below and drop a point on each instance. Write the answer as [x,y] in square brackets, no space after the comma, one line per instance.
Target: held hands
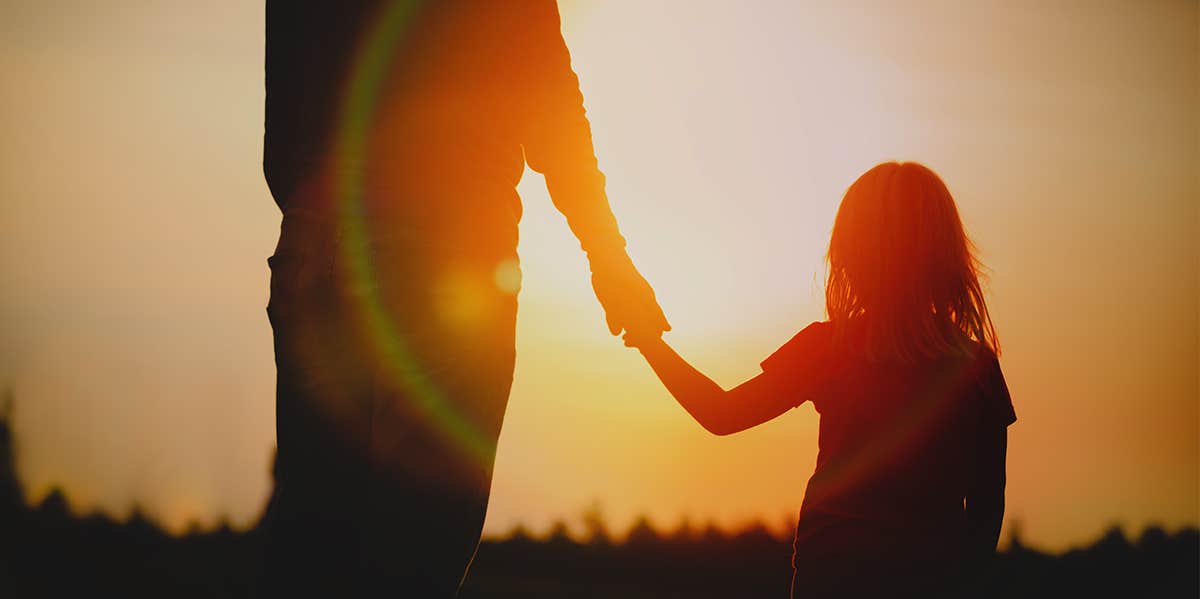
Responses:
[628,300]
[641,340]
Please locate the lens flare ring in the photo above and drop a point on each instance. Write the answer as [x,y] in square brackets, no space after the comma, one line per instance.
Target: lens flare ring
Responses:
[355,119]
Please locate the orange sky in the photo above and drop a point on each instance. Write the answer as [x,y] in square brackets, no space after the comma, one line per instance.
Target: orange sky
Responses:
[136,226]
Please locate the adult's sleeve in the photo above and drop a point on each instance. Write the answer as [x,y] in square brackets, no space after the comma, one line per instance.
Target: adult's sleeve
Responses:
[556,135]
[803,365]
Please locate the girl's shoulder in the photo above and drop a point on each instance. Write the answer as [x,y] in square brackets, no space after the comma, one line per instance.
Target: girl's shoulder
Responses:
[991,387]
[804,364]
[811,344]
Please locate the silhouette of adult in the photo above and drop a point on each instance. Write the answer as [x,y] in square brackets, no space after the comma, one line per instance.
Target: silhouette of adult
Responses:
[396,132]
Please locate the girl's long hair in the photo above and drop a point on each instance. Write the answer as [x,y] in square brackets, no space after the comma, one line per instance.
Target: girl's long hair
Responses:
[903,276]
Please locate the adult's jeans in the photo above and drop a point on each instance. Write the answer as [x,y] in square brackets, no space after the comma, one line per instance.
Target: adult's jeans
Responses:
[394,356]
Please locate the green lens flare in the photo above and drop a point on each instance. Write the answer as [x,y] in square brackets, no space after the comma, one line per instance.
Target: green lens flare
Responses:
[356,118]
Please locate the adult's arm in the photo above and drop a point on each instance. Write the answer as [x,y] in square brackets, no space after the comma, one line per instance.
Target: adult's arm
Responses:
[557,136]
[557,139]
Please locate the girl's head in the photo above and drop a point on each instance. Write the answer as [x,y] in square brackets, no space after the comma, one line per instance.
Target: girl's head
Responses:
[901,266]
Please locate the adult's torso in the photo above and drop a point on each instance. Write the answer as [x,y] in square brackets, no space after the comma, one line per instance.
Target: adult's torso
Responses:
[409,113]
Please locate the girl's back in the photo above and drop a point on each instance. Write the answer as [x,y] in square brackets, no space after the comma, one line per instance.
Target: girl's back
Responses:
[900,452]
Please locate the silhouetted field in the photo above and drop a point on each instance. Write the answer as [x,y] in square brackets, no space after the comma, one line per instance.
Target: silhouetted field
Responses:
[47,552]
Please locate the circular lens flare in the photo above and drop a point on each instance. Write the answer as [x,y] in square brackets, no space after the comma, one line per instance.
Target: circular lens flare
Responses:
[507,276]
[355,120]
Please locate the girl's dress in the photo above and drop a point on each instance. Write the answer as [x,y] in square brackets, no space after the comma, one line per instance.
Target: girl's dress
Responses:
[883,514]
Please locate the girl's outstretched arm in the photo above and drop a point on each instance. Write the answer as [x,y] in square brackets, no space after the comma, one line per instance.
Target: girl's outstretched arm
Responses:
[719,411]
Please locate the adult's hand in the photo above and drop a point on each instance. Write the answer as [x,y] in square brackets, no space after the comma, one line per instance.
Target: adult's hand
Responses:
[628,300]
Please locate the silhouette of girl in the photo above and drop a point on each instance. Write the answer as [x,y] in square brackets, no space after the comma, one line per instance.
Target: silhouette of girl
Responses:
[908,492]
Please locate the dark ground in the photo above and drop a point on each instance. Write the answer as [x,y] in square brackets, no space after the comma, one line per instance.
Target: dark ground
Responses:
[45,551]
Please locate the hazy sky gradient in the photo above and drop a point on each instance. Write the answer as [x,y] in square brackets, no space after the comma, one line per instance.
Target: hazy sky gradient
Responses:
[136,226]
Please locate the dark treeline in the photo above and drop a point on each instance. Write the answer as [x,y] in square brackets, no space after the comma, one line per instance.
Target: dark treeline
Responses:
[45,551]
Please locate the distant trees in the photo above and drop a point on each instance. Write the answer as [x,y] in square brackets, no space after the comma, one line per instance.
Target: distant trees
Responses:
[46,551]
[10,488]
[595,527]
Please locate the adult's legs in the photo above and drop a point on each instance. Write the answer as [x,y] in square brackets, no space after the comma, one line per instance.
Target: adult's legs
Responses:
[323,385]
[441,392]
[391,391]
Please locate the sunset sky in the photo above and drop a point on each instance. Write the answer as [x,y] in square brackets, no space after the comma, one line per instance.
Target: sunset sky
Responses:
[135,226]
